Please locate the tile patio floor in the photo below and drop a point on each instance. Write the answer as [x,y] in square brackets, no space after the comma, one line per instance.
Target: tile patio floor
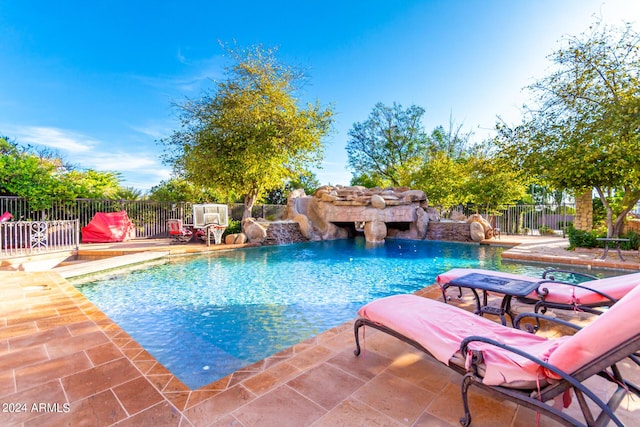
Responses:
[64,363]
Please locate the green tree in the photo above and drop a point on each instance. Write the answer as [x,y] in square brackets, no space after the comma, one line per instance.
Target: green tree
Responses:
[180,190]
[445,170]
[389,147]
[365,180]
[129,193]
[93,184]
[42,177]
[308,181]
[585,132]
[250,134]
[492,183]
[443,179]
[453,142]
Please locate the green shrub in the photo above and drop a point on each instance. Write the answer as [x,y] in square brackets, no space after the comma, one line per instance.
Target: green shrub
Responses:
[583,239]
[633,243]
[587,239]
[234,227]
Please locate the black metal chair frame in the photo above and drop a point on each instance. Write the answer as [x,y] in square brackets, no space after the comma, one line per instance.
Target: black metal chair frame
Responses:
[541,305]
[603,366]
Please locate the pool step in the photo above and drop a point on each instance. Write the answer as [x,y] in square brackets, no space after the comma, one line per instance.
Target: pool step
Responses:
[90,267]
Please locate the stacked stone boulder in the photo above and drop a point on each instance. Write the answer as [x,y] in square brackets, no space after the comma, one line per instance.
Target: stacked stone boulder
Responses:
[479,227]
[377,211]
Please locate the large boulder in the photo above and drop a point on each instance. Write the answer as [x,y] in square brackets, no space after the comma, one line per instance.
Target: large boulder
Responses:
[375,231]
[332,210]
[378,202]
[255,232]
[422,223]
[235,239]
[477,231]
[306,228]
[432,213]
[486,226]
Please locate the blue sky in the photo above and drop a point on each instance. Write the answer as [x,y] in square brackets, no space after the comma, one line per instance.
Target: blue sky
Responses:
[95,80]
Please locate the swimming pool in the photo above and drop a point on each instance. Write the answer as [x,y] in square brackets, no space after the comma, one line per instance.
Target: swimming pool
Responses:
[204,317]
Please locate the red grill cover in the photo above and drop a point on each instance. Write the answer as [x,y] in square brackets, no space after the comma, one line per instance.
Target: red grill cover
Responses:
[106,227]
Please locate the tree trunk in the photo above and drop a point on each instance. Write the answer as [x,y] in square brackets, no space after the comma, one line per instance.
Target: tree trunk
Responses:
[249,201]
[614,228]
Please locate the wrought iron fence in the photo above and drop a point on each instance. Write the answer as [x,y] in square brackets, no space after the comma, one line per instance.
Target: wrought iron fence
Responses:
[529,219]
[149,217]
[19,238]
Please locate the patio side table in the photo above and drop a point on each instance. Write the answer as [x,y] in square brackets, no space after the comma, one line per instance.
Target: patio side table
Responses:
[608,240]
[487,283]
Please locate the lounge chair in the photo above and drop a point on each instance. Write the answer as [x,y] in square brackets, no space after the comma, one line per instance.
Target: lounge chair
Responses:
[525,368]
[177,231]
[589,296]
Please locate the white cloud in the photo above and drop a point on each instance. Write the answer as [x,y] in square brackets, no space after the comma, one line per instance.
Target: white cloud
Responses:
[154,131]
[198,75]
[60,139]
[143,168]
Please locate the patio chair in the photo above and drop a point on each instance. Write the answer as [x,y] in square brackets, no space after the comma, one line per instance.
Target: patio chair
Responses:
[528,369]
[589,296]
[6,216]
[177,231]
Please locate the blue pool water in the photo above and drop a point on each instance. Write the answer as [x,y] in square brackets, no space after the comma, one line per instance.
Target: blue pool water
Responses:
[204,317]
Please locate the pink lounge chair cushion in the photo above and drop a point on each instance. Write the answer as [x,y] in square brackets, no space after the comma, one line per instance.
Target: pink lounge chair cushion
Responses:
[441,327]
[616,287]
[617,325]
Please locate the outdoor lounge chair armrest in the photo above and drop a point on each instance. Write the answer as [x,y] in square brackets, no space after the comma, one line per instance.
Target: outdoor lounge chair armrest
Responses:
[565,376]
[542,291]
[538,316]
[558,270]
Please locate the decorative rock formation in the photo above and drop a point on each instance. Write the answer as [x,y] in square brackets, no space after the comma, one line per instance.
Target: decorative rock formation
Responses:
[476,230]
[457,216]
[235,239]
[283,232]
[337,212]
[486,231]
[378,202]
[255,232]
[375,231]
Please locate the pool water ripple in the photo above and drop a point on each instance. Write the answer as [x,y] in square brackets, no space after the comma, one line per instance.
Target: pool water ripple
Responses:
[206,316]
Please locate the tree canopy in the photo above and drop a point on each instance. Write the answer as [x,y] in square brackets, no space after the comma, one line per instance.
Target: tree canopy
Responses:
[584,132]
[180,190]
[42,177]
[388,147]
[249,134]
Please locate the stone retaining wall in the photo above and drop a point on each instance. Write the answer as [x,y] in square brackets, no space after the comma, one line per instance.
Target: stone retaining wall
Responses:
[451,231]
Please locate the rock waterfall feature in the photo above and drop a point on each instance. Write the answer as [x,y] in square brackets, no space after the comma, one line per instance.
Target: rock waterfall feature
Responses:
[335,212]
